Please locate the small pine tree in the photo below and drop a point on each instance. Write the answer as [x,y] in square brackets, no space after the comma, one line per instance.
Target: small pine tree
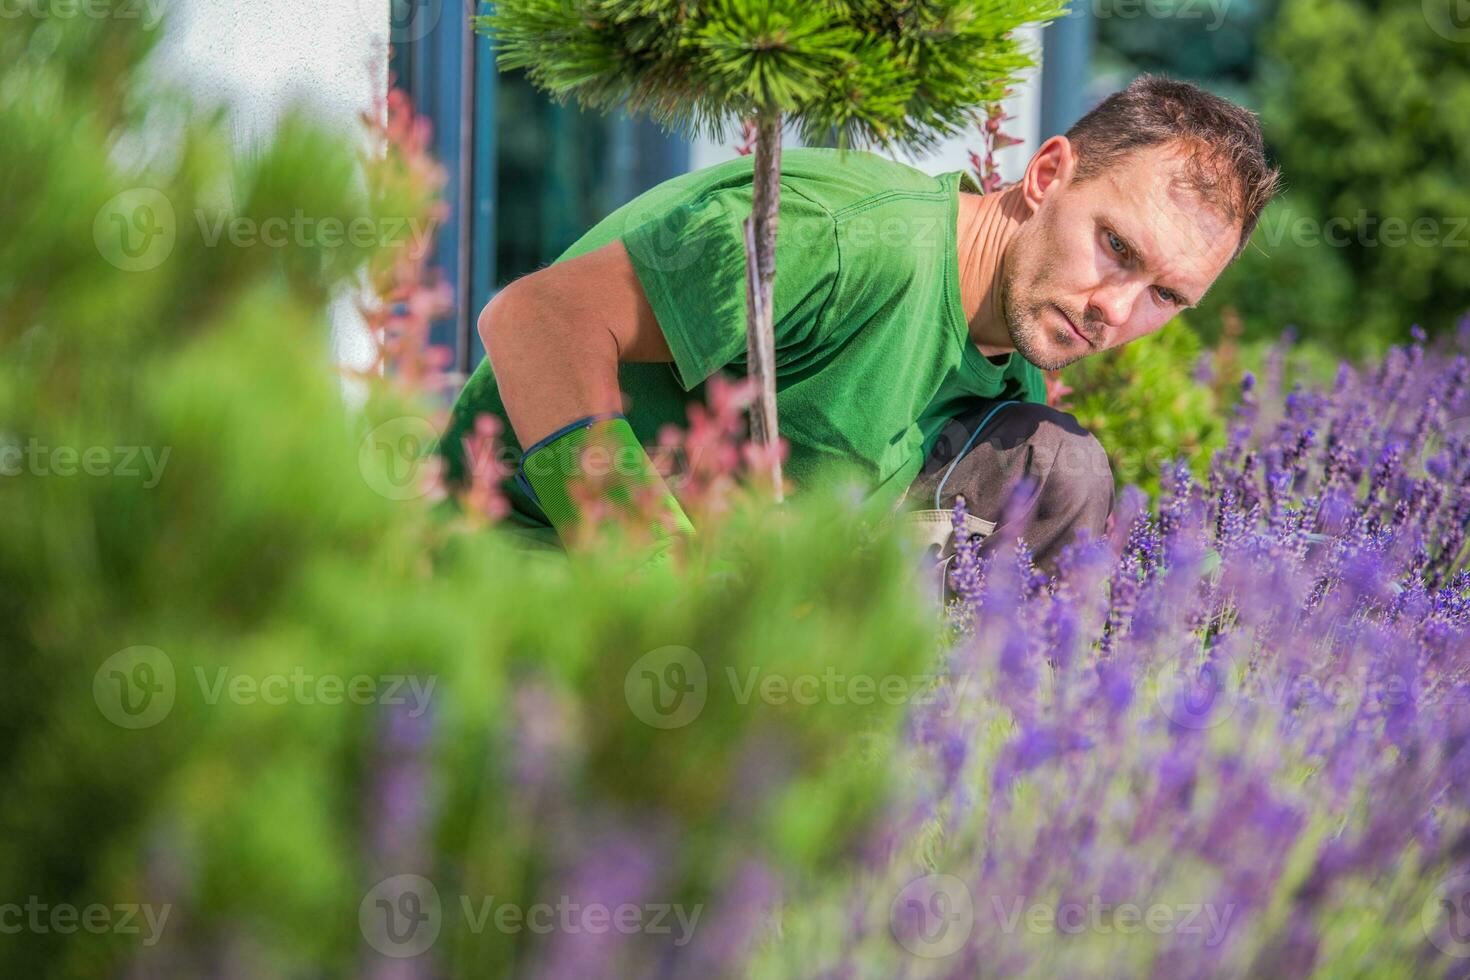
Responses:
[905,74]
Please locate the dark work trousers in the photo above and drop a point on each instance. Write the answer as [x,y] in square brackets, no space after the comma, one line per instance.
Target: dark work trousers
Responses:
[985,454]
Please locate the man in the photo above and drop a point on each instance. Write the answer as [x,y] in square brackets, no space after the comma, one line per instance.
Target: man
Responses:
[913,316]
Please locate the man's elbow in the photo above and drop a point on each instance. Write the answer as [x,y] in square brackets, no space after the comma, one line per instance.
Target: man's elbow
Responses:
[485,322]
[528,316]
[501,319]
[491,318]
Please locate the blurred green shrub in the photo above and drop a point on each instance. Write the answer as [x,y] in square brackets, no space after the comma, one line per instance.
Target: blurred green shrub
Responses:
[1278,281]
[1149,402]
[1166,397]
[191,519]
[1366,108]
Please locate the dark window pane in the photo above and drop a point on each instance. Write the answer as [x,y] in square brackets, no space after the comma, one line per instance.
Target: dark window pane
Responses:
[552,170]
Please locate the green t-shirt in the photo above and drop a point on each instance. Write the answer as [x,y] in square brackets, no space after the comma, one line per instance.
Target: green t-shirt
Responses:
[872,347]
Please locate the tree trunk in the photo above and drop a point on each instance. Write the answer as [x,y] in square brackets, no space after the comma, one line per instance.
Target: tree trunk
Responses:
[760,277]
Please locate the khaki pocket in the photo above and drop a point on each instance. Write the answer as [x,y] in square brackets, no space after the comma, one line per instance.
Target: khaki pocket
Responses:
[932,532]
[928,528]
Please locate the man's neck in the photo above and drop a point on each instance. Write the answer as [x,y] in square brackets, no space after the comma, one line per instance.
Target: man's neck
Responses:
[986,225]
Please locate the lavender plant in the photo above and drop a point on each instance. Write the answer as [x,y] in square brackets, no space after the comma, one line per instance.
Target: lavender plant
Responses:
[1230,741]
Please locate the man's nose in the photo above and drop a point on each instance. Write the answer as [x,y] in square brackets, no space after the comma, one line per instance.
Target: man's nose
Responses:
[1112,305]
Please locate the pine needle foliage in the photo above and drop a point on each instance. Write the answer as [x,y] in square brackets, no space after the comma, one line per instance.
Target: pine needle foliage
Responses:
[870,73]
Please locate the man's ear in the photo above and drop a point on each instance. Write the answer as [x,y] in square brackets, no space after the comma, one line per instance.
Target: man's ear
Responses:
[1050,169]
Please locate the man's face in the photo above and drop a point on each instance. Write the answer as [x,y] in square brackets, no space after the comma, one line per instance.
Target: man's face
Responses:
[1109,260]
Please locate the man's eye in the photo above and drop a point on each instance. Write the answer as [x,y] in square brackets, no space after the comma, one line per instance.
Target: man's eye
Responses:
[1169,296]
[1116,244]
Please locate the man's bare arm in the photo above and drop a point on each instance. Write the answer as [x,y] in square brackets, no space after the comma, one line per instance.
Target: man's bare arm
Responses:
[555,339]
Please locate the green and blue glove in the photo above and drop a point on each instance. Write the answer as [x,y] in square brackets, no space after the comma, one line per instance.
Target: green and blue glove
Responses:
[550,469]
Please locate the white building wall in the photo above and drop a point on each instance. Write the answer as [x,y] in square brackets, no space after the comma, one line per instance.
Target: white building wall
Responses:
[260,57]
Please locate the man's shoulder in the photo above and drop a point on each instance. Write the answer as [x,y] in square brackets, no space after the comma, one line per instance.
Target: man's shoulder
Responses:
[844,179]
[821,187]
[832,178]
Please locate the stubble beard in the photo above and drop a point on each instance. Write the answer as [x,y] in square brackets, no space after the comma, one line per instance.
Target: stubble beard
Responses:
[1026,329]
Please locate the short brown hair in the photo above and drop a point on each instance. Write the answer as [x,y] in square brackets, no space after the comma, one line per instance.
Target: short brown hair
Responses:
[1226,165]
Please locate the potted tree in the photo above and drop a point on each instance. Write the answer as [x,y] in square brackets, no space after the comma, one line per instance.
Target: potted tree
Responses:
[865,72]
